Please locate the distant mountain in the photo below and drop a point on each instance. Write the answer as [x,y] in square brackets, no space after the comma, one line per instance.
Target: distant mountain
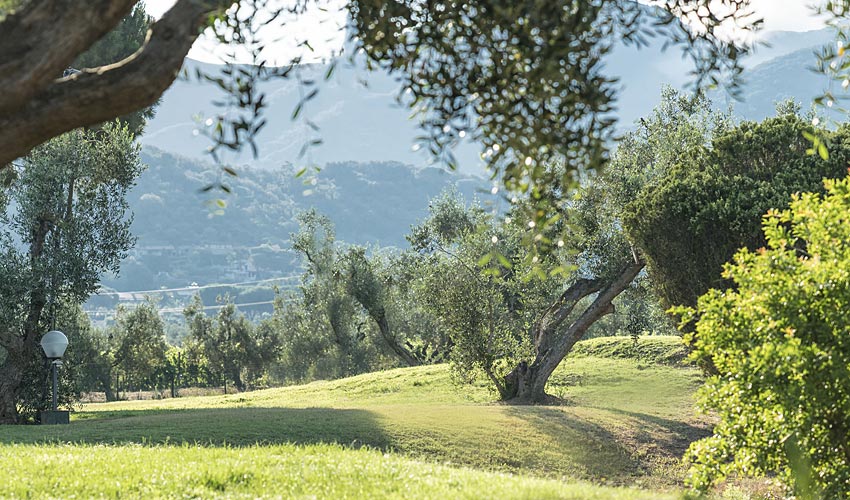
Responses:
[776,44]
[787,77]
[356,112]
[184,236]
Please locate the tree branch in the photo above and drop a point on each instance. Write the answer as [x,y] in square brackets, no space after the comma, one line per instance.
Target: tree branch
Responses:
[45,37]
[100,94]
[555,314]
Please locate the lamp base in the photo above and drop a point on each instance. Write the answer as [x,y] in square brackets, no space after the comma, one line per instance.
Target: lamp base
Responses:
[54,417]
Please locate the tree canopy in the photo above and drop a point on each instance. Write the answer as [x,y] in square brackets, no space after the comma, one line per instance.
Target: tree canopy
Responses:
[710,203]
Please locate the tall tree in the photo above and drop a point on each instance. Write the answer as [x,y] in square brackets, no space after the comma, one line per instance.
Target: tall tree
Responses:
[140,346]
[64,222]
[366,287]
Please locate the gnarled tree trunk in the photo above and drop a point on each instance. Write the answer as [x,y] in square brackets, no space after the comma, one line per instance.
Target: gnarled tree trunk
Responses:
[527,383]
[389,338]
[10,380]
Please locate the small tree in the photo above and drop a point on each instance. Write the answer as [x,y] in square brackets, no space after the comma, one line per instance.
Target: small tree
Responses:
[234,349]
[139,339]
[780,341]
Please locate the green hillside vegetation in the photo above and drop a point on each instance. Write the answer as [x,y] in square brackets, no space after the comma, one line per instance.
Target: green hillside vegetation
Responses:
[410,432]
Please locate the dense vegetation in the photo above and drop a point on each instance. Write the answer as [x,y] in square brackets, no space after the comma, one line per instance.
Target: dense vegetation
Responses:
[779,342]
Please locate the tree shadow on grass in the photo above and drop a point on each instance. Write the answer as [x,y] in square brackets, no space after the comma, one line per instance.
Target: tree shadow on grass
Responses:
[213,427]
[665,436]
[595,451]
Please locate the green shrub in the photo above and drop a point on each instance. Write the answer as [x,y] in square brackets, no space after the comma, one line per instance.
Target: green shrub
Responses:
[781,343]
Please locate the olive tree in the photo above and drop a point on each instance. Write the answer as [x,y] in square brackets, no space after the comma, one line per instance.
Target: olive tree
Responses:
[63,222]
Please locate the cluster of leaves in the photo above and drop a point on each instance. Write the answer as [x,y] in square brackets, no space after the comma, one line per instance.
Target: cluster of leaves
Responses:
[779,341]
[709,204]
[526,80]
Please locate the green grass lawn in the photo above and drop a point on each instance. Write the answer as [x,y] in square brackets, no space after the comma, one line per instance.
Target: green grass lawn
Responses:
[409,433]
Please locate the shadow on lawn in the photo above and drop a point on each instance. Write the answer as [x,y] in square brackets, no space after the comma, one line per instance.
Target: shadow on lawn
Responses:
[668,437]
[213,427]
[593,448]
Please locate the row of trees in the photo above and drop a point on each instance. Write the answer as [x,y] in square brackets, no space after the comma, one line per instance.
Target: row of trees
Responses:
[133,354]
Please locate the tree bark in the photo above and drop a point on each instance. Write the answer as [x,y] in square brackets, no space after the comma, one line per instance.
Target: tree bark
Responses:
[46,36]
[400,350]
[527,383]
[11,376]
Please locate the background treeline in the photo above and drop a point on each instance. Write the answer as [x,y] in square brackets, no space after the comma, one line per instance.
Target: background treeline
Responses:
[356,310]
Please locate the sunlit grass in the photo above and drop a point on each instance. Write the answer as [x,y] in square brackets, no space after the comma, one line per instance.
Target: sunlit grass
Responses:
[625,422]
[283,471]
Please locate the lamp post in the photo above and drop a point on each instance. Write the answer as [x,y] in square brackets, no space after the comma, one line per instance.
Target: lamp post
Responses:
[54,344]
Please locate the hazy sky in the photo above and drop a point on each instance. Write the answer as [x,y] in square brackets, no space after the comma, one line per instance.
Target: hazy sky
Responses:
[322,28]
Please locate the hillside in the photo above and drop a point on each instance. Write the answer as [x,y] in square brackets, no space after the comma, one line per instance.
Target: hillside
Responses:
[184,237]
[624,422]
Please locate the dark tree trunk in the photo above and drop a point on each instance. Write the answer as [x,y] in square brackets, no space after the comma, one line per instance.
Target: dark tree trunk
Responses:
[105,380]
[237,381]
[10,380]
[400,350]
[22,349]
[527,383]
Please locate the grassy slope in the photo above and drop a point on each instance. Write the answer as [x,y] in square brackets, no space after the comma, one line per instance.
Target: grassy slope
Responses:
[625,422]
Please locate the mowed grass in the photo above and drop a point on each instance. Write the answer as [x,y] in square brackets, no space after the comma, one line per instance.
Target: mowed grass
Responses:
[407,433]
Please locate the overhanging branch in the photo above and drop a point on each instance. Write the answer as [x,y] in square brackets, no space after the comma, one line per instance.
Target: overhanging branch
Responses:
[100,94]
[41,40]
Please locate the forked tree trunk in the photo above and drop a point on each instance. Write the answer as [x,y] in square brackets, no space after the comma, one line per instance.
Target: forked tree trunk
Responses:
[527,383]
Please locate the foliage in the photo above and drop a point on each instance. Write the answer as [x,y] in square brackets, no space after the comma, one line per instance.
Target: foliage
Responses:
[482,316]
[233,349]
[120,43]
[779,340]
[90,358]
[140,347]
[324,290]
[64,223]
[710,202]
[526,80]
